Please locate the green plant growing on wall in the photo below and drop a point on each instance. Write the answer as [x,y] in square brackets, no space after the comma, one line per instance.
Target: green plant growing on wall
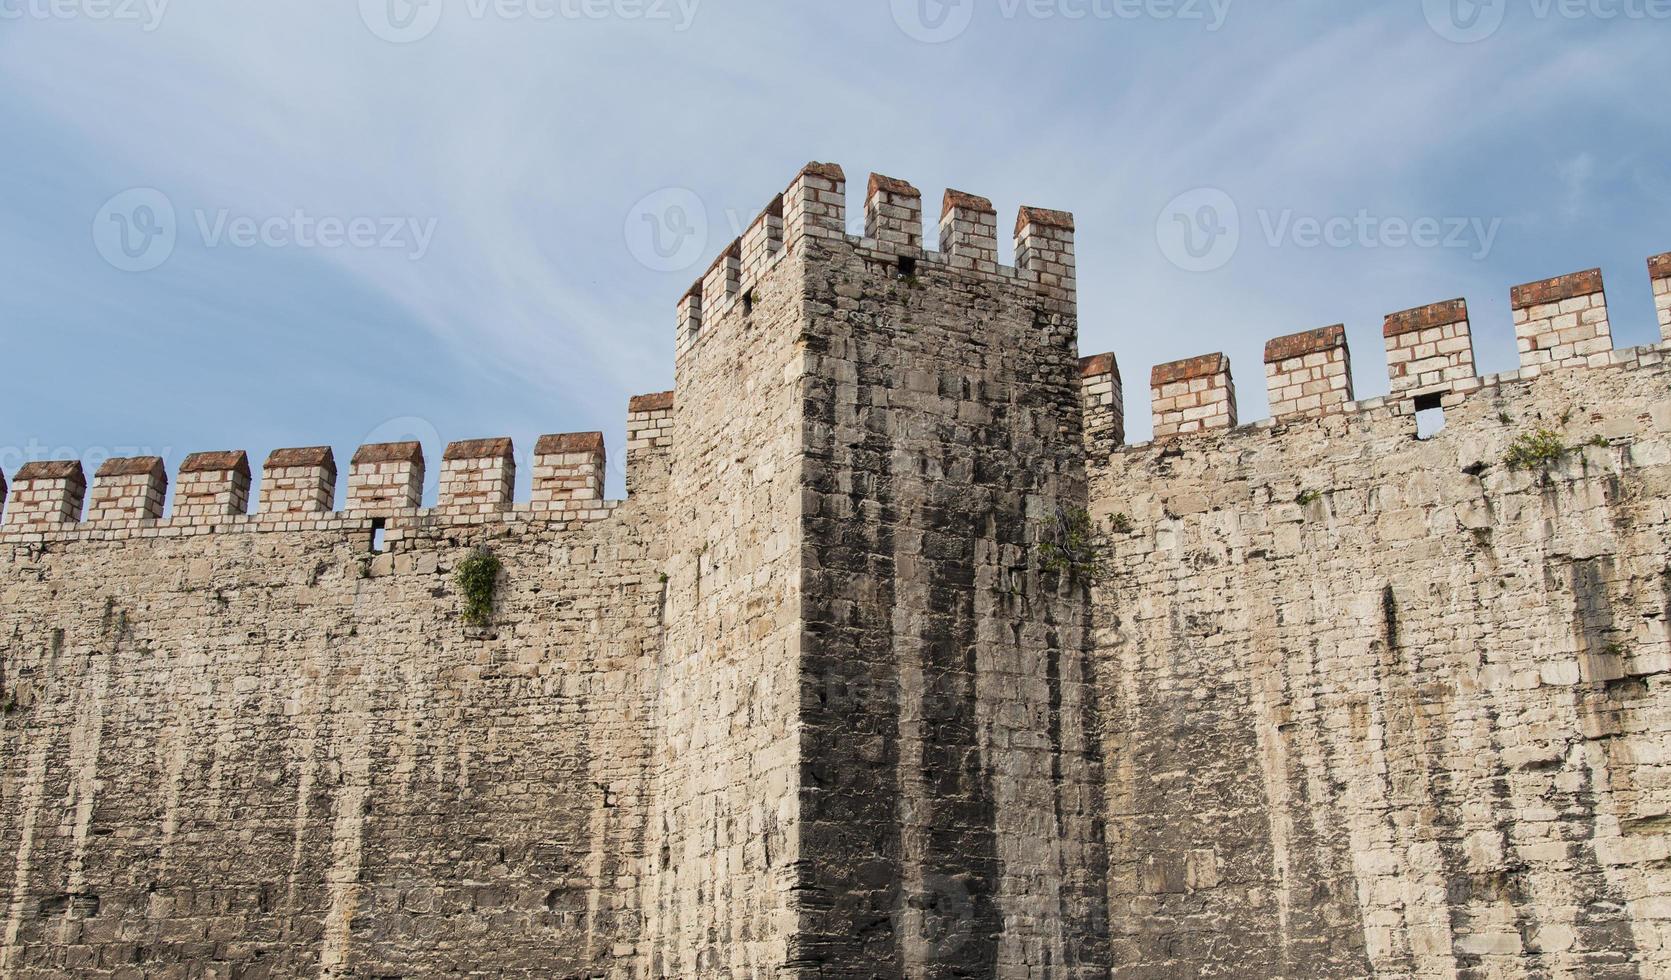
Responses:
[1073,545]
[1120,524]
[477,577]
[1539,449]
[1308,497]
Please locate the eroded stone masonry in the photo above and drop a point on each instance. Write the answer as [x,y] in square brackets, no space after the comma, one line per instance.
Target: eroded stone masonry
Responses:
[895,662]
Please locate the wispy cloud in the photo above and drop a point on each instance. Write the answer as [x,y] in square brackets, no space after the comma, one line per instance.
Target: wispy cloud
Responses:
[526,142]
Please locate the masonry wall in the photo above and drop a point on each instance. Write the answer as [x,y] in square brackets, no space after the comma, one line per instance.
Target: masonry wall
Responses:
[951,825]
[728,811]
[1381,706]
[832,696]
[272,754]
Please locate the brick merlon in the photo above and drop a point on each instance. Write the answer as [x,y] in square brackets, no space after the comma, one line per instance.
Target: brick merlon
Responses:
[1205,366]
[1659,267]
[828,171]
[131,466]
[962,201]
[1307,342]
[284,459]
[389,452]
[565,443]
[732,251]
[659,402]
[891,185]
[58,469]
[496,448]
[229,461]
[1098,364]
[1043,217]
[1426,317]
[1557,289]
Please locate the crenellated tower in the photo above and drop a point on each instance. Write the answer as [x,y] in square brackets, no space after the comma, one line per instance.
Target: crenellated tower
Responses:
[878,755]
[898,660]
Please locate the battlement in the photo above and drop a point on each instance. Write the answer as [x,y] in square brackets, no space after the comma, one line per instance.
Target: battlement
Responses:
[814,207]
[846,657]
[1659,270]
[1560,323]
[212,492]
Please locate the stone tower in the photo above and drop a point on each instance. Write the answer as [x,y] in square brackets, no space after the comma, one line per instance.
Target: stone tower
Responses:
[878,753]
[898,661]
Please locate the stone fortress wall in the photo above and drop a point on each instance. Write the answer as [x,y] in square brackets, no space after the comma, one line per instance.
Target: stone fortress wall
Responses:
[822,698]
[1383,705]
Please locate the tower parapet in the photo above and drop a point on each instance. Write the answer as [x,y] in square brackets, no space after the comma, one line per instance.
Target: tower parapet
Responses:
[1659,270]
[969,232]
[894,215]
[299,481]
[815,205]
[649,441]
[1044,248]
[213,485]
[568,472]
[1193,395]
[762,241]
[1430,353]
[46,496]
[1104,401]
[1562,322]
[128,491]
[386,478]
[1309,373]
[478,476]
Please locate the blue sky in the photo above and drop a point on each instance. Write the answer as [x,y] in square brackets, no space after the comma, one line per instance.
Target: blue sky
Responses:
[482,170]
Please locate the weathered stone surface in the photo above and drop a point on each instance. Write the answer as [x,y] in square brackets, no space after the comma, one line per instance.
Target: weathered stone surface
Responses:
[849,688]
[1406,703]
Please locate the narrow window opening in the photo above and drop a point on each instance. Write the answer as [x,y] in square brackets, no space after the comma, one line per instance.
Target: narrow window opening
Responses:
[1430,415]
[378,526]
[748,303]
[907,267]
